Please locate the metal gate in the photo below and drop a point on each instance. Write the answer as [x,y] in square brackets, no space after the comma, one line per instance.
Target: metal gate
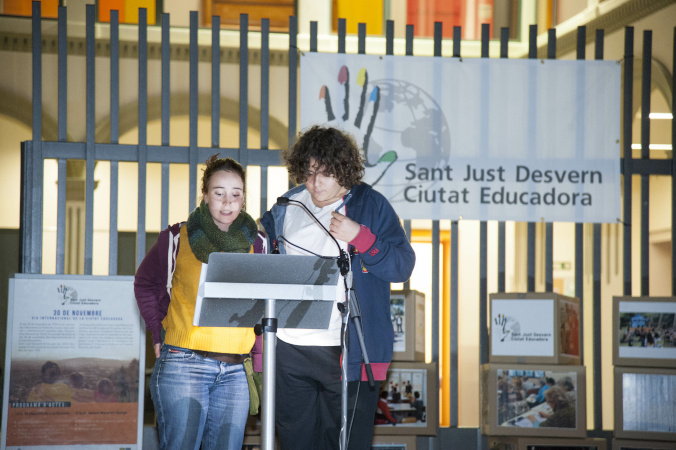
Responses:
[36,151]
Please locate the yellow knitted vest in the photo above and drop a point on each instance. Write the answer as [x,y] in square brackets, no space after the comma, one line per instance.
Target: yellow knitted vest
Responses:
[178,323]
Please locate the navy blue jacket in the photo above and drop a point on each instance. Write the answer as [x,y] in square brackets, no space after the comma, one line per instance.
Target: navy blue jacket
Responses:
[389,260]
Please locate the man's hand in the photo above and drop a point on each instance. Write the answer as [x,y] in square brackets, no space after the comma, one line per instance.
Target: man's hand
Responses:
[343,227]
[157,348]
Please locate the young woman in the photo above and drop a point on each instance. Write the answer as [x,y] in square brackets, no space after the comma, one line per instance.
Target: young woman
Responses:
[198,385]
[328,166]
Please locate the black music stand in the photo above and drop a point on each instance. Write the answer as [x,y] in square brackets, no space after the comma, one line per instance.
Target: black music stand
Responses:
[285,291]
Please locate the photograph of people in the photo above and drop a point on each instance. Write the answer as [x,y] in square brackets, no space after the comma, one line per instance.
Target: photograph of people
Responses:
[563,412]
[198,386]
[645,329]
[327,167]
[52,388]
[522,408]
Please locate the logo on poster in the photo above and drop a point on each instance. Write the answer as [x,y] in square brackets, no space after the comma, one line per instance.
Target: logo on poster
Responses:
[68,295]
[507,326]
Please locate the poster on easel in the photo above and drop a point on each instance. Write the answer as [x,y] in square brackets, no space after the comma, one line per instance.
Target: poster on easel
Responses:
[74,364]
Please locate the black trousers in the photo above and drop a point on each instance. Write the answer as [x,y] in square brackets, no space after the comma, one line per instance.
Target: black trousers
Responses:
[308,400]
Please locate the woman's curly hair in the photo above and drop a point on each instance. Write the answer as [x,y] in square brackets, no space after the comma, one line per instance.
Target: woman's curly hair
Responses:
[334,151]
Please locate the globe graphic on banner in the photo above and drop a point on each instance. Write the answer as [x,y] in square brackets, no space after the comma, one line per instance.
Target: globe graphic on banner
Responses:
[412,125]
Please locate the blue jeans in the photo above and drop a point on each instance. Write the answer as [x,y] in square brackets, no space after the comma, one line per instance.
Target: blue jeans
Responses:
[199,400]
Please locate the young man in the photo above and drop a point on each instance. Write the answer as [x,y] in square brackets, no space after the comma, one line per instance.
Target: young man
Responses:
[328,167]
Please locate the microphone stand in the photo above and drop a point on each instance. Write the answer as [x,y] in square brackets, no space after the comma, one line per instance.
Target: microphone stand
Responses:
[350,309]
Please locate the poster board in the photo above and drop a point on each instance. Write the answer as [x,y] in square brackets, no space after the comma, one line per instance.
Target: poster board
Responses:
[393,443]
[644,331]
[624,444]
[506,413]
[644,406]
[412,418]
[407,313]
[75,362]
[534,328]
[535,443]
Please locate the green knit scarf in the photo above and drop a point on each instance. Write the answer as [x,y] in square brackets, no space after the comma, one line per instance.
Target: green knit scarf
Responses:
[205,237]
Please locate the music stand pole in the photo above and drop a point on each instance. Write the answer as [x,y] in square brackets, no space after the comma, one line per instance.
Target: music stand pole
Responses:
[269,369]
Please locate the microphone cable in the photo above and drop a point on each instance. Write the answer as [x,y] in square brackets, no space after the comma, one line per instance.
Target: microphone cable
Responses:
[282,238]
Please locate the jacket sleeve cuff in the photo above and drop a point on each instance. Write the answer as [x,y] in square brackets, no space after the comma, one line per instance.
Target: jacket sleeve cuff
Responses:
[364,240]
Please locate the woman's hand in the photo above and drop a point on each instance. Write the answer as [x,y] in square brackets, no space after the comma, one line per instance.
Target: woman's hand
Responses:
[157,348]
[343,228]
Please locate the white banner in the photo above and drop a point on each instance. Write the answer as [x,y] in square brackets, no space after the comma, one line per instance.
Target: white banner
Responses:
[487,139]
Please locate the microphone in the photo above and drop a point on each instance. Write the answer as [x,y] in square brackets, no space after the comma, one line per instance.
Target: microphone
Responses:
[343,260]
[282,201]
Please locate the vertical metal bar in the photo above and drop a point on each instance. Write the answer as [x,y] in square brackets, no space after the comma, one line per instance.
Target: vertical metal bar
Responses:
[596,309]
[454,404]
[166,78]
[26,199]
[626,145]
[435,239]
[389,37]
[114,137]
[342,32]
[192,188]
[409,40]
[645,154]
[454,365]
[91,144]
[142,132]
[215,81]
[549,227]
[114,196]
[579,227]
[483,225]
[293,77]
[361,33]
[551,43]
[34,241]
[504,42]
[409,52]
[456,41]
[504,53]
[265,106]
[530,249]
[532,41]
[407,230]
[435,290]
[313,36]
[243,89]
[673,171]
[63,72]
[63,136]
[166,113]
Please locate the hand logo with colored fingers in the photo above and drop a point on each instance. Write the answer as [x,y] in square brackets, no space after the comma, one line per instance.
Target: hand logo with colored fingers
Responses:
[387,158]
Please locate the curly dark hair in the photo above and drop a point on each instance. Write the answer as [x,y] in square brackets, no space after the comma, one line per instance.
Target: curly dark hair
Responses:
[334,151]
[214,164]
